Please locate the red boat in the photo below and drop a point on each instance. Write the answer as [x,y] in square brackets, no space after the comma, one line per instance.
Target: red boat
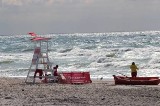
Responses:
[123,80]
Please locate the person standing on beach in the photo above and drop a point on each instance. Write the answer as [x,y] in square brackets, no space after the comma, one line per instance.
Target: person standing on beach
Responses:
[55,70]
[134,69]
[55,73]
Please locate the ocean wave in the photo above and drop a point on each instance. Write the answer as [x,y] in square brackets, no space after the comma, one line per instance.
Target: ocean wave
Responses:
[98,53]
[101,60]
[22,69]
[6,62]
[64,50]
[27,50]
[111,55]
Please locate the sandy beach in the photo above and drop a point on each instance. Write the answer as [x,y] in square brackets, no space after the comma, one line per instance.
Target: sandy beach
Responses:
[15,92]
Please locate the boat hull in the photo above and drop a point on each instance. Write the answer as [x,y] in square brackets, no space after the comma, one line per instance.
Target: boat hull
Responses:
[121,80]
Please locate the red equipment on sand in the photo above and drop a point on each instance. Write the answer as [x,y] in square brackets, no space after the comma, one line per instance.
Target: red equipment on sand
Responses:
[75,78]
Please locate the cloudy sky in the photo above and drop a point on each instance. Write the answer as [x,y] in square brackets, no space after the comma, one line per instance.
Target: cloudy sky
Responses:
[78,16]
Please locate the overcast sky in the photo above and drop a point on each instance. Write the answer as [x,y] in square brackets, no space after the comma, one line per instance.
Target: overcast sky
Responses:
[78,16]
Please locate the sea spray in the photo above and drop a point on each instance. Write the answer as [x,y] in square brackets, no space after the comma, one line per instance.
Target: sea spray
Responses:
[102,54]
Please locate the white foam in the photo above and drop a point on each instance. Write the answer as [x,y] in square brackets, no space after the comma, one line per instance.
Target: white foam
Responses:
[98,53]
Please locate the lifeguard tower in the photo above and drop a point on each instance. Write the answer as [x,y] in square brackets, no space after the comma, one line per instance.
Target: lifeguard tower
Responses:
[43,67]
[40,65]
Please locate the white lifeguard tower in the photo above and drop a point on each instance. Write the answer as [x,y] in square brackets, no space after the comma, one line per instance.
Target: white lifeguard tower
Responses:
[40,65]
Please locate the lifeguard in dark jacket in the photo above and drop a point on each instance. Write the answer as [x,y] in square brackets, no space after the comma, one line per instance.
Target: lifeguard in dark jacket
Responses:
[55,70]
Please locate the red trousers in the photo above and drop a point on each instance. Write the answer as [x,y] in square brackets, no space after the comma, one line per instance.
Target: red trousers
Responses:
[134,74]
[40,71]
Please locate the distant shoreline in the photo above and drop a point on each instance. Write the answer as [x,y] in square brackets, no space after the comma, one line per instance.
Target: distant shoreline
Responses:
[109,32]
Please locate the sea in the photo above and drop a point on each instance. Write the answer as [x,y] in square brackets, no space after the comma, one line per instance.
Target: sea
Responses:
[101,54]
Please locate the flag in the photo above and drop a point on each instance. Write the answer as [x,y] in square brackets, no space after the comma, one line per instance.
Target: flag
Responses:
[33,34]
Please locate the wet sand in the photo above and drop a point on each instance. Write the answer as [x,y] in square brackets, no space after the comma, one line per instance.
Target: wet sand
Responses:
[15,92]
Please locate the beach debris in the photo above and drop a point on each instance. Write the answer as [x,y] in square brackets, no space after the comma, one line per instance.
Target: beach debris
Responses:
[8,97]
[103,99]
[101,78]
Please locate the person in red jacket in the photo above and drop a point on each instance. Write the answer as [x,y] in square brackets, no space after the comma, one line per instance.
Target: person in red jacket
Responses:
[55,70]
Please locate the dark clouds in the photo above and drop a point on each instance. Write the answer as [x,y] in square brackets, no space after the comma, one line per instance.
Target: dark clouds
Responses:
[70,16]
